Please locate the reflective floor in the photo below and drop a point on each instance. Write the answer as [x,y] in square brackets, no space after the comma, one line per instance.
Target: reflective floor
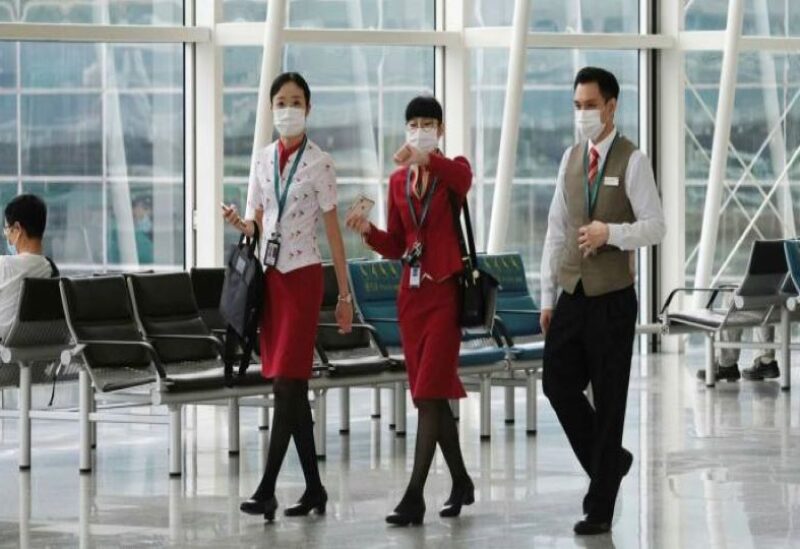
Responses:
[714,468]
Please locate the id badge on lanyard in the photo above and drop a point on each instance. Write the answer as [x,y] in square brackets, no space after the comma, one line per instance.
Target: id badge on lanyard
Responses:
[414,254]
[273,248]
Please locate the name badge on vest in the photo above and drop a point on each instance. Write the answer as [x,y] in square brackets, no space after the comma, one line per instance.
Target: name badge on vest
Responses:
[611,181]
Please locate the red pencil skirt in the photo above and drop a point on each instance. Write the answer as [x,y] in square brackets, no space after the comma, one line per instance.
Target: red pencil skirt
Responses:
[289,321]
[431,339]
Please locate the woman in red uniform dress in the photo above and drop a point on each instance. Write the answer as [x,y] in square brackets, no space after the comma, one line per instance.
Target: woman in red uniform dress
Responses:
[292,186]
[421,231]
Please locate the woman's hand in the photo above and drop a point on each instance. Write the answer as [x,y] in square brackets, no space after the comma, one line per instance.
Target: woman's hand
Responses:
[344,316]
[408,155]
[358,223]
[232,217]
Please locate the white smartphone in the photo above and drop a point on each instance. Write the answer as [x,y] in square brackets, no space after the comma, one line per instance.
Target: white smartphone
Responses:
[362,206]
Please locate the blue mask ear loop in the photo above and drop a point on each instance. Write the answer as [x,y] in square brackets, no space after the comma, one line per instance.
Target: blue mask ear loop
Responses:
[10,248]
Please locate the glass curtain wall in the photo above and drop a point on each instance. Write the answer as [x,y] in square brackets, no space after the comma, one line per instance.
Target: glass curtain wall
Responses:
[97,130]
[760,200]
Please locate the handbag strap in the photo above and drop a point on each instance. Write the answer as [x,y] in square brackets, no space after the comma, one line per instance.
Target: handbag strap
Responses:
[251,243]
[467,245]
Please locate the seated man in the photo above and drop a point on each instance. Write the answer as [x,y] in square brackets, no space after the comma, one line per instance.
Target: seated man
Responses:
[25,220]
[727,361]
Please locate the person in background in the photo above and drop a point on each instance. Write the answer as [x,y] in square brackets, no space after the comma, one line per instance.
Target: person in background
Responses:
[421,231]
[606,205]
[24,224]
[292,186]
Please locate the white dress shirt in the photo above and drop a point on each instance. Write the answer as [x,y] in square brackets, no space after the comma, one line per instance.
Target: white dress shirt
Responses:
[13,270]
[647,230]
[313,191]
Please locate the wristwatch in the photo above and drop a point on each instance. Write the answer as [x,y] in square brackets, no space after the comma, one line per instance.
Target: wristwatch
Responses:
[346,298]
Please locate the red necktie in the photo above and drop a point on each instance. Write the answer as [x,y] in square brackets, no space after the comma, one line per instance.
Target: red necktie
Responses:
[593,157]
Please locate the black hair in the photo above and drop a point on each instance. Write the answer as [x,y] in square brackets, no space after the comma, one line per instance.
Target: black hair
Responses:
[607,82]
[424,106]
[30,212]
[285,78]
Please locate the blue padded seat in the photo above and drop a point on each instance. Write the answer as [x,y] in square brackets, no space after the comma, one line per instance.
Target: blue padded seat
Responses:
[375,285]
[792,250]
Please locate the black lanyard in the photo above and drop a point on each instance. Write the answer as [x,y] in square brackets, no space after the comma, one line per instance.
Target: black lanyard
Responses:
[426,205]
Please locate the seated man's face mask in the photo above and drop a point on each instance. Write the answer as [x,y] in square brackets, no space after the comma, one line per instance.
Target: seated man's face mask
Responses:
[11,246]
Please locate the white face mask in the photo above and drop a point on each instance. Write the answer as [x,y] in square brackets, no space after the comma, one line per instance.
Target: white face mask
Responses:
[289,121]
[589,123]
[423,139]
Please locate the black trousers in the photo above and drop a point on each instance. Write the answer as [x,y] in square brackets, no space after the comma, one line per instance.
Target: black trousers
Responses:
[591,340]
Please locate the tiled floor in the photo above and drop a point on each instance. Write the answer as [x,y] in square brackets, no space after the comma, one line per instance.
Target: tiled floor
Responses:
[714,468]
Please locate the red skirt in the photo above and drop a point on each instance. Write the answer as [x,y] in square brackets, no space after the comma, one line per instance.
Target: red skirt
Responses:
[431,339]
[289,321]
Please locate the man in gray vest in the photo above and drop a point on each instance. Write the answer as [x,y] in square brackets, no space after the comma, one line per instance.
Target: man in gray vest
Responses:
[606,205]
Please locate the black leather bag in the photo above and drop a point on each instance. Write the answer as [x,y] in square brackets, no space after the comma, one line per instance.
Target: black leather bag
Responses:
[477,288]
[241,303]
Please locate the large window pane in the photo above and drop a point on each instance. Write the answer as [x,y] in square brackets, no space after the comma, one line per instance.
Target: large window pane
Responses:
[341,14]
[546,130]
[761,17]
[61,134]
[765,133]
[102,141]
[358,98]
[114,12]
[563,16]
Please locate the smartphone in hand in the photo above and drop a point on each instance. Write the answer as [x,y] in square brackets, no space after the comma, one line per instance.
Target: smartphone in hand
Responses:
[361,207]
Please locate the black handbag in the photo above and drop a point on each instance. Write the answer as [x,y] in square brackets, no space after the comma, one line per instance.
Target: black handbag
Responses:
[241,303]
[477,288]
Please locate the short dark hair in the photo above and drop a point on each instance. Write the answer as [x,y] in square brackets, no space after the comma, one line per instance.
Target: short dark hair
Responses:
[424,106]
[284,79]
[607,82]
[30,212]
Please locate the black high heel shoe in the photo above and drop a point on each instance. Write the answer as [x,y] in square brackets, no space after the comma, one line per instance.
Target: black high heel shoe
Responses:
[407,513]
[265,507]
[463,494]
[307,503]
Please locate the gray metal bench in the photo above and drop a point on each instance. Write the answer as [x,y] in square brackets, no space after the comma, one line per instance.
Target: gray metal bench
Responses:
[759,300]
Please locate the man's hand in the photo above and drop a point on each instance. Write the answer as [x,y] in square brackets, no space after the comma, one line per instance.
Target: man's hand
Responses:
[592,236]
[545,317]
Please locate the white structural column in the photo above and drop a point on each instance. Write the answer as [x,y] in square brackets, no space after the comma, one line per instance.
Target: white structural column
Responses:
[455,87]
[719,149]
[270,68]
[772,112]
[509,134]
[670,116]
[208,141]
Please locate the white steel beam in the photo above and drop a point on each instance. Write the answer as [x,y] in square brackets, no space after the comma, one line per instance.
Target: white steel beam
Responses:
[499,37]
[456,82]
[252,34]
[510,129]
[719,149]
[207,218]
[272,48]
[139,34]
[670,160]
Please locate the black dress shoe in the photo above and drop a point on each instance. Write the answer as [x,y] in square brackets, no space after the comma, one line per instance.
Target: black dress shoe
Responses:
[625,463]
[588,527]
[761,371]
[727,373]
[407,513]
[315,501]
[463,494]
[260,507]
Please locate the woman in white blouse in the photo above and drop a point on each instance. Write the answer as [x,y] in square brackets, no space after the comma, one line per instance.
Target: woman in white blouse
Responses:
[292,185]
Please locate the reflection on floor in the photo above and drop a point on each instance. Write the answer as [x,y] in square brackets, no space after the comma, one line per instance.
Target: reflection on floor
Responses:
[714,468]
